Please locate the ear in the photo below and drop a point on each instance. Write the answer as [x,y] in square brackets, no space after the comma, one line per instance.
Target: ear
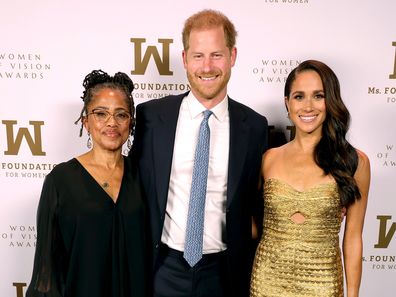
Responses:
[233,56]
[184,56]
[287,104]
[84,120]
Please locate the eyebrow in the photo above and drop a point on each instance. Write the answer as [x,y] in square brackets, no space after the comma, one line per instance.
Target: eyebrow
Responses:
[296,92]
[302,92]
[106,108]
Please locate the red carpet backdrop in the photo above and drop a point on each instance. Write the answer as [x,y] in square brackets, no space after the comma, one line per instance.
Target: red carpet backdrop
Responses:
[47,47]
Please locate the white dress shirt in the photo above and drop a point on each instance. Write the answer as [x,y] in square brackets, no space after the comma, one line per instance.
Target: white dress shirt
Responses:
[190,118]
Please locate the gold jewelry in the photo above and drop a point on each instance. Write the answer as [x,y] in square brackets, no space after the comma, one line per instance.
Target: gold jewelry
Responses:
[106,183]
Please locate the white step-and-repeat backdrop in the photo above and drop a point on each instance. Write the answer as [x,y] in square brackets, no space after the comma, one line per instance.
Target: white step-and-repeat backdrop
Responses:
[47,47]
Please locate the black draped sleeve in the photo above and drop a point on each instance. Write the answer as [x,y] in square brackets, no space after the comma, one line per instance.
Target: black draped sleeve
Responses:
[46,278]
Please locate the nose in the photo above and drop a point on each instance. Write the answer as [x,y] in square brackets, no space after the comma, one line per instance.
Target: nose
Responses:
[112,121]
[308,104]
[207,64]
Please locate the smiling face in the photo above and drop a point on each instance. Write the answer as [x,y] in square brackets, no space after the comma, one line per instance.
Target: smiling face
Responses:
[208,63]
[306,103]
[107,135]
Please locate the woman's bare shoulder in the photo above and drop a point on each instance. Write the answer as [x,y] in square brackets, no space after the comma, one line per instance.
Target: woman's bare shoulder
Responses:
[363,159]
[271,156]
[363,172]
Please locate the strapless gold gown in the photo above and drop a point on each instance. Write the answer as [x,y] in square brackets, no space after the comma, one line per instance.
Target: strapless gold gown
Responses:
[299,260]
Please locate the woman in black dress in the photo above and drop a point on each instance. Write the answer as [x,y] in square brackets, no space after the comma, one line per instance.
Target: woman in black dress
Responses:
[91,217]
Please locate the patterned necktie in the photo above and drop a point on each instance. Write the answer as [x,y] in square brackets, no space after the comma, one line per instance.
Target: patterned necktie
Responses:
[196,210]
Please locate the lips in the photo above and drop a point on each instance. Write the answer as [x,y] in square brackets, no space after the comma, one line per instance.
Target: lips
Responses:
[208,78]
[307,119]
[111,133]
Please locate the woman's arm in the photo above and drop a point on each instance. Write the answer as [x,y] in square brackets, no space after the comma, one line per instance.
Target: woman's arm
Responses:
[353,243]
[266,166]
[258,206]
[46,274]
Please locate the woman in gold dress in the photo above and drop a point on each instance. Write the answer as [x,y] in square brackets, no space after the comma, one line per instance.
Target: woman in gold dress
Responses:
[307,184]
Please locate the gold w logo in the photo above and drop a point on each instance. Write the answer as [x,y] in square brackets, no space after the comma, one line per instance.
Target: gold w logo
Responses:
[19,288]
[15,144]
[384,238]
[141,62]
[393,75]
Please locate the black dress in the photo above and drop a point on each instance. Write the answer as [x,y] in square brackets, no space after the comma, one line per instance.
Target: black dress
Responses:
[87,245]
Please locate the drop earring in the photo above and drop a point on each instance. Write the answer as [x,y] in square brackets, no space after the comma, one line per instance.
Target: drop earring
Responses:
[89,142]
[129,143]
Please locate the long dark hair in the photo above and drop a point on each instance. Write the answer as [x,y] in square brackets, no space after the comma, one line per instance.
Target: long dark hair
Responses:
[97,80]
[334,154]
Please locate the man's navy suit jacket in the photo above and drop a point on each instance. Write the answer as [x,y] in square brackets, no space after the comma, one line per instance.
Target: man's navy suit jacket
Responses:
[152,151]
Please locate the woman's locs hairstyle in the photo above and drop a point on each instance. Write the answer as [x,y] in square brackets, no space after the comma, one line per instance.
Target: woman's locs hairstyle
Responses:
[334,154]
[97,80]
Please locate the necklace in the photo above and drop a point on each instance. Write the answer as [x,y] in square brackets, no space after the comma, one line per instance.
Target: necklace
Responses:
[106,183]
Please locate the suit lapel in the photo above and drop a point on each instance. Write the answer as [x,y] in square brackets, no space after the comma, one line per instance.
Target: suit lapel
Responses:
[163,142]
[239,136]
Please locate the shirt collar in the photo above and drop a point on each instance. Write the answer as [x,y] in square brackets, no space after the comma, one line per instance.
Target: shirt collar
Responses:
[196,108]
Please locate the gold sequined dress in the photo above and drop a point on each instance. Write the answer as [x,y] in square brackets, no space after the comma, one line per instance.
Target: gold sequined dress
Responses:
[299,259]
